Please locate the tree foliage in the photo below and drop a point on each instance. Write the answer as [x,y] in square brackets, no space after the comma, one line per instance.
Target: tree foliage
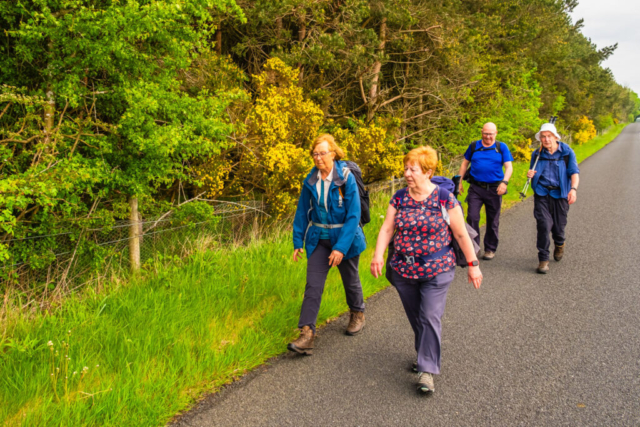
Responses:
[96,114]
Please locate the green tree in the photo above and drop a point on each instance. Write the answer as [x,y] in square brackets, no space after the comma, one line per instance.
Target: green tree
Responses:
[96,114]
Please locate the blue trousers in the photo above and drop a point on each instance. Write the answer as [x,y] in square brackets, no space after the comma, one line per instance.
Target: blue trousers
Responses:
[424,302]
[317,270]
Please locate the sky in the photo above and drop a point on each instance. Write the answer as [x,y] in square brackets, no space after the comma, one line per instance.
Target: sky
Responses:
[615,21]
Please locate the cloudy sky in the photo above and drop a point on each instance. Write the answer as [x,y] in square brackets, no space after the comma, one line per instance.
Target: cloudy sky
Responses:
[615,21]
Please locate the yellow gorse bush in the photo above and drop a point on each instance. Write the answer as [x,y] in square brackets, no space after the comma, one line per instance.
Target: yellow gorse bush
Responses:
[213,174]
[521,152]
[585,130]
[374,148]
[272,154]
[280,128]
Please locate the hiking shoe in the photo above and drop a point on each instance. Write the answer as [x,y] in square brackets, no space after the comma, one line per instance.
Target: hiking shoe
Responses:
[304,343]
[414,367]
[356,323]
[488,255]
[543,267]
[425,382]
[558,252]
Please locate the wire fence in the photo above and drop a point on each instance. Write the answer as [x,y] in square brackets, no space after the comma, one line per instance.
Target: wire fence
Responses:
[74,257]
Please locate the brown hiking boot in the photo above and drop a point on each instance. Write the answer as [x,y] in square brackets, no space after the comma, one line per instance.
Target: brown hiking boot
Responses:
[356,323]
[304,343]
[558,252]
[488,255]
[543,267]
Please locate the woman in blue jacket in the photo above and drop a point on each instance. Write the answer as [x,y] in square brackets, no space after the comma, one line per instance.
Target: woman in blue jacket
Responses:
[327,223]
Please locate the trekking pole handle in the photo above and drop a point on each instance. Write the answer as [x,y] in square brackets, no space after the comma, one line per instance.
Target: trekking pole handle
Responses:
[526,185]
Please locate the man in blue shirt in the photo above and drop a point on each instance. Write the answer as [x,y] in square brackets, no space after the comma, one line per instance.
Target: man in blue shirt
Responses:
[555,185]
[487,184]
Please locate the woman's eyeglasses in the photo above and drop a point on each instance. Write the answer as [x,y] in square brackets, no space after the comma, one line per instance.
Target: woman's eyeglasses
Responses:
[321,154]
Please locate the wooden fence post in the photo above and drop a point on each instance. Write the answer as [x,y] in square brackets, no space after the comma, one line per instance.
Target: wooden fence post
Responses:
[134,235]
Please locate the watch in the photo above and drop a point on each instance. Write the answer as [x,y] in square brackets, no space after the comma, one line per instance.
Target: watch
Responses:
[574,188]
[473,263]
[505,182]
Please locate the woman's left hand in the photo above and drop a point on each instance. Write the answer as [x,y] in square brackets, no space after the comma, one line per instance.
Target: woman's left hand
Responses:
[335,258]
[475,276]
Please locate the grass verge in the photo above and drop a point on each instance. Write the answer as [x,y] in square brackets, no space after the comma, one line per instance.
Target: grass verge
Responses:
[153,347]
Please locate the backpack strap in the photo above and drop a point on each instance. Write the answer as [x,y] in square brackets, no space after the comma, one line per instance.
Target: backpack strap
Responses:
[400,194]
[472,147]
[564,158]
[443,197]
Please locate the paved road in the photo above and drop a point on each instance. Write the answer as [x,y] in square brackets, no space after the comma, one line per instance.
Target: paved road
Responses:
[526,349]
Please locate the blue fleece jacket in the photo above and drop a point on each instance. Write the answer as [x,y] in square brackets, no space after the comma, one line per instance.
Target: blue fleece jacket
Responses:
[349,239]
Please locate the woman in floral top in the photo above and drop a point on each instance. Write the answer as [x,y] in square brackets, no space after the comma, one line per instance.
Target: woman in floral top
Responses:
[424,263]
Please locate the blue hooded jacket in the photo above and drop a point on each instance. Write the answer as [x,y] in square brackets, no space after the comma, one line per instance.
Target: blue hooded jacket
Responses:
[350,238]
[565,171]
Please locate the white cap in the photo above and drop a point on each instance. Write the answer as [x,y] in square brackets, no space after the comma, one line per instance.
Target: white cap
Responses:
[548,127]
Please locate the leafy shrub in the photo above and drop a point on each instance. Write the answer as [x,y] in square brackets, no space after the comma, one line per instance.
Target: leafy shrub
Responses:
[604,122]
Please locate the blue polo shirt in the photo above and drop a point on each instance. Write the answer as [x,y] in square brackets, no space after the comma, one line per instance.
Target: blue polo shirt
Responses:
[486,162]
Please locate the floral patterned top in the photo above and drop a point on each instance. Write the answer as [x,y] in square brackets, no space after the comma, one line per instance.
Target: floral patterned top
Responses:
[421,230]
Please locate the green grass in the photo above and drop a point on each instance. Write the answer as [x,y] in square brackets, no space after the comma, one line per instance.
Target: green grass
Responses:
[160,343]
[154,346]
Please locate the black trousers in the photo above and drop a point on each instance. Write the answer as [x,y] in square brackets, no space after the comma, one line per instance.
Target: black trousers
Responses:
[551,217]
[317,270]
[476,197]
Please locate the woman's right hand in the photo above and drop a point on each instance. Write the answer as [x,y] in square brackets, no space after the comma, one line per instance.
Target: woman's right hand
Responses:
[376,266]
[297,253]
[531,173]
[475,276]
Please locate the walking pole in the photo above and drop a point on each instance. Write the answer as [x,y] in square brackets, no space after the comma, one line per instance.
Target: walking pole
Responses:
[523,193]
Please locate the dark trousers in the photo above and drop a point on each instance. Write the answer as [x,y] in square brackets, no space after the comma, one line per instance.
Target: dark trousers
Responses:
[476,197]
[317,270]
[424,302]
[551,216]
